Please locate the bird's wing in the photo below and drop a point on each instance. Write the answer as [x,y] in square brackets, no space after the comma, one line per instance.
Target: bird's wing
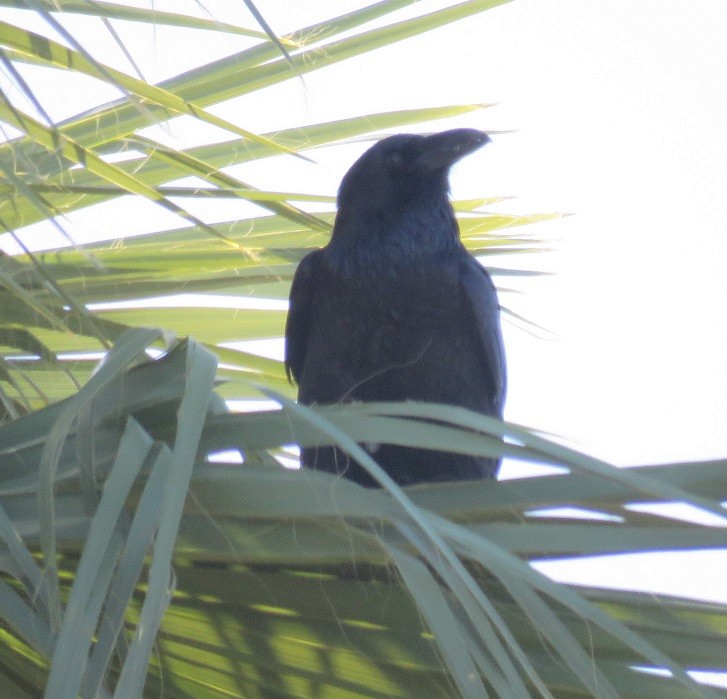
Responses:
[481,300]
[298,323]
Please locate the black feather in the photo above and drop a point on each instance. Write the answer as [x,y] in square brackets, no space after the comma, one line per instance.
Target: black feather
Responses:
[394,308]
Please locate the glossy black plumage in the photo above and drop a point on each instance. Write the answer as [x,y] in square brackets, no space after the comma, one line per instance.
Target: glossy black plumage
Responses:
[394,307]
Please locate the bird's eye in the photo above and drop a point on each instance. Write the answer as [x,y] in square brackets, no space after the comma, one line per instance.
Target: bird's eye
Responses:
[394,160]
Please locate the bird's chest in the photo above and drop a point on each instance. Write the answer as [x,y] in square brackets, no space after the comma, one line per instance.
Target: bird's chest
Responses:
[392,317]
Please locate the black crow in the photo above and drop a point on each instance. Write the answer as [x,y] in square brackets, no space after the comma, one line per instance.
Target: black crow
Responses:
[394,308]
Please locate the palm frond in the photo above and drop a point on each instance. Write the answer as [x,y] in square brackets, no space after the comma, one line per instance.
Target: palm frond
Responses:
[137,561]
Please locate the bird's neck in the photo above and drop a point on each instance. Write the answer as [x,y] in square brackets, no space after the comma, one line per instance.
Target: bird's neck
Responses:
[369,240]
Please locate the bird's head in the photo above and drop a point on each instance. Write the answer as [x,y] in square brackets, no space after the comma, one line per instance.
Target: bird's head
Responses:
[405,169]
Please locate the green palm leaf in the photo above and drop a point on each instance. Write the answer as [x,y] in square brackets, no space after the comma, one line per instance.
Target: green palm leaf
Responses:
[134,562]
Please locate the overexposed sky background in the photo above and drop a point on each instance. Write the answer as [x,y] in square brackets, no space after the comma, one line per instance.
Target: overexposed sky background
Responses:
[618,111]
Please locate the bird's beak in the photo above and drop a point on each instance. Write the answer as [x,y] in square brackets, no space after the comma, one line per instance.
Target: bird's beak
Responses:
[442,150]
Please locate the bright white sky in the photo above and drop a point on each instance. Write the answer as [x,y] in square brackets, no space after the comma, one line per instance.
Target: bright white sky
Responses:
[620,111]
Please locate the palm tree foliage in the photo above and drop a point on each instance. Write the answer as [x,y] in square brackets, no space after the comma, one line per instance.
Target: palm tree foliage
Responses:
[133,563]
